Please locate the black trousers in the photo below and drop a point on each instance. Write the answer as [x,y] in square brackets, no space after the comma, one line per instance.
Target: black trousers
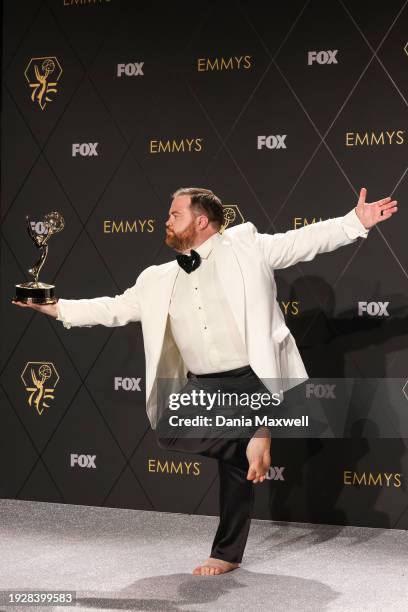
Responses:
[236,495]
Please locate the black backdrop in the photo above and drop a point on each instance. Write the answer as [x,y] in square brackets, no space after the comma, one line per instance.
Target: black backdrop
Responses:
[285,110]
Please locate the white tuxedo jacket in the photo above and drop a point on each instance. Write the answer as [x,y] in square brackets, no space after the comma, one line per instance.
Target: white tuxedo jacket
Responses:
[245,261]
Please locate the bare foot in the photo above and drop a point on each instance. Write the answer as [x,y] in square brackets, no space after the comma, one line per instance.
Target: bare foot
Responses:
[259,455]
[214,567]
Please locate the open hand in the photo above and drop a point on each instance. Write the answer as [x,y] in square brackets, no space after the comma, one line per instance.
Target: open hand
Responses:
[49,309]
[372,213]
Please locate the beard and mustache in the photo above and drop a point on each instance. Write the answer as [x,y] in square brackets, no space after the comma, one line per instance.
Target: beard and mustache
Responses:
[182,241]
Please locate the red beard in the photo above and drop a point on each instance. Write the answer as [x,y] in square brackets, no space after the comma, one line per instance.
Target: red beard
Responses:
[183,240]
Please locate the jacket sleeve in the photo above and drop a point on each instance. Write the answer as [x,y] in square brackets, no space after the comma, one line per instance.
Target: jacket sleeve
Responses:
[286,249]
[107,311]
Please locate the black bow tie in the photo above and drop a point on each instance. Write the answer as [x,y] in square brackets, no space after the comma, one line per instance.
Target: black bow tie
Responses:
[189,262]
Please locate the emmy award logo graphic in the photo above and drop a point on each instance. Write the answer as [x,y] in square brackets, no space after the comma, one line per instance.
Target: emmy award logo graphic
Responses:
[232,215]
[43,74]
[35,375]
[34,291]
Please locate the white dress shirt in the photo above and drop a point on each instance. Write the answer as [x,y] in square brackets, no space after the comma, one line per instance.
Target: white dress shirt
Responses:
[201,320]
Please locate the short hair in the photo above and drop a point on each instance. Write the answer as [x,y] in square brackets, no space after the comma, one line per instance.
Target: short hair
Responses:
[204,201]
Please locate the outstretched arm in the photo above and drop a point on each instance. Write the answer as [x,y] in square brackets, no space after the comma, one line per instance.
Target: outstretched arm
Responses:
[282,250]
[107,311]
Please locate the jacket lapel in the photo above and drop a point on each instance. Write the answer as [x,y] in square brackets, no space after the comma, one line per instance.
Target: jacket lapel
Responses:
[165,283]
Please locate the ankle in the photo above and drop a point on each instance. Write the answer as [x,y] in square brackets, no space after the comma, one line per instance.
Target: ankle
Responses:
[262,432]
[222,561]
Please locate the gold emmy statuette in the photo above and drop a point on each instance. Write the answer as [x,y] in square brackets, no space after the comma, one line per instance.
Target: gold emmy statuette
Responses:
[35,292]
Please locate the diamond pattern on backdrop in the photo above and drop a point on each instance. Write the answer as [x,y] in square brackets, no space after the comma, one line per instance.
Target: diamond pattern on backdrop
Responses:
[316,175]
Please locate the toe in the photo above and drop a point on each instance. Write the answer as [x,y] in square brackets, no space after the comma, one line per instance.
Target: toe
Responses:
[251,473]
[258,476]
[207,570]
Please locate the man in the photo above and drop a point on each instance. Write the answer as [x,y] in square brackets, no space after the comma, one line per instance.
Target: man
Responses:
[213,313]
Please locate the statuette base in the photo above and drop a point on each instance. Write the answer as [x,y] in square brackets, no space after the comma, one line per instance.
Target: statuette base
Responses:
[35,293]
